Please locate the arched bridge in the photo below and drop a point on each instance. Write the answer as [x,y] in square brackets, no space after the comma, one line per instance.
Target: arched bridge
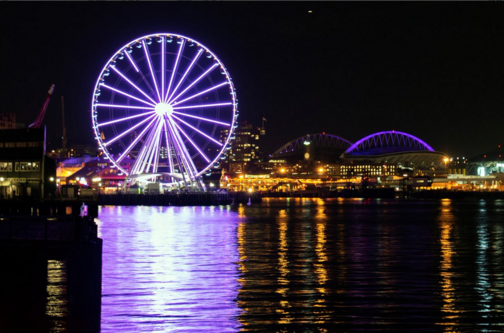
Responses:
[320,144]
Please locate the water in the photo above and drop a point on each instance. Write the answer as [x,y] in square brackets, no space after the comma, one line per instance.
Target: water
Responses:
[305,265]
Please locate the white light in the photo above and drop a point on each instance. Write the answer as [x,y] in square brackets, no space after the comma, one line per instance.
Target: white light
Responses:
[163,108]
[212,185]
[51,179]
[98,179]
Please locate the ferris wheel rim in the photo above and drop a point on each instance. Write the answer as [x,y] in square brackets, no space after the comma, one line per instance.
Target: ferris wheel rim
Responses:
[167,99]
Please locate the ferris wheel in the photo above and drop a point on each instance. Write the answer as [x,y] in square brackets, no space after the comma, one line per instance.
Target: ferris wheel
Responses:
[164,105]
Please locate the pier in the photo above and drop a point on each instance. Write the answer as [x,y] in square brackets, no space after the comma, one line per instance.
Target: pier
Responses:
[180,199]
[48,250]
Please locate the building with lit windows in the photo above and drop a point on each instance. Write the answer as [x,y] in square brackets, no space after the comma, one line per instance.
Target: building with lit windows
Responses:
[7,120]
[25,170]
[244,153]
[368,169]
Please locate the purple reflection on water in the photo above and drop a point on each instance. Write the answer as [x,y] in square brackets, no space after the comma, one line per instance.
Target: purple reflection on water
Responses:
[169,269]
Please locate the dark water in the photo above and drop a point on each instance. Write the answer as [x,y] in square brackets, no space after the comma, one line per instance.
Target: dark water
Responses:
[305,265]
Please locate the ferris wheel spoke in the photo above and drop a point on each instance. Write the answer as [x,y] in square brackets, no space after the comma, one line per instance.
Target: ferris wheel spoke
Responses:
[127,118]
[159,139]
[168,155]
[197,130]
[143,155]
[163,41]
[153,147]
[201,118]
[201,106]
[194,82]
[189,68]
[182,43]
[181,152]
[123,106]
[126,152]
[173,103]
[129,130]
[128,95]
[138,162]
[147,56]
[131,60]
[134,85]
[191,141]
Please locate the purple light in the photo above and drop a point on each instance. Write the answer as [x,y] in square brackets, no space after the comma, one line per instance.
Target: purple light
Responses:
[197,130]
[135,141]
[200,93]
[170,163]
[123,106]
[125,94]
[200,106]
[147,56]
[195,81]
[181,147]
[140,90]
[123,119]
[143,161]
[162,63]
[127,131]
[201,118]
[182,90]
[189,139]
[131,60]
[154,152]
[355,146]
[186,72]
[175,67]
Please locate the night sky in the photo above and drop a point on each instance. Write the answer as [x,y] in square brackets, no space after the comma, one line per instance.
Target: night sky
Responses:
[434,70]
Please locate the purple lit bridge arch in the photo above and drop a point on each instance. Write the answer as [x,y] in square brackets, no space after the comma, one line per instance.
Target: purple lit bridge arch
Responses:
[159,106]
[394,147]
[320,143]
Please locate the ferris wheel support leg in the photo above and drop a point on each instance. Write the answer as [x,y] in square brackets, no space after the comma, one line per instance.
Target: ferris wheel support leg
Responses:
[125,184]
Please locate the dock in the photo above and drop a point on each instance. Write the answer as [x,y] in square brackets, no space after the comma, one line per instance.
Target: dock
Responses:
[34,236]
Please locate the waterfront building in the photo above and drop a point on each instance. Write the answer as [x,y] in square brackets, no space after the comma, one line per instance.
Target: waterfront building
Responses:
[25,170]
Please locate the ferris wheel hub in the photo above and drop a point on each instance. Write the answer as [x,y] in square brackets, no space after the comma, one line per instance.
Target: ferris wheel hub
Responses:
[163,108]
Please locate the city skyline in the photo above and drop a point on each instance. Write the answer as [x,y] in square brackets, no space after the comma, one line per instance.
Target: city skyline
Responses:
[347,69]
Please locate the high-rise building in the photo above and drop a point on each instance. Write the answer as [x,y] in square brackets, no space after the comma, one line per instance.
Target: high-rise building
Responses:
[245,150]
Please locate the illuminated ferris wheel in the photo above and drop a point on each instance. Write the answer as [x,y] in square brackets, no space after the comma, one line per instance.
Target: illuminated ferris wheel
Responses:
[164,105]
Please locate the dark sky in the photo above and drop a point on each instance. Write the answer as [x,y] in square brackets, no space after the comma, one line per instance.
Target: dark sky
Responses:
[434,70]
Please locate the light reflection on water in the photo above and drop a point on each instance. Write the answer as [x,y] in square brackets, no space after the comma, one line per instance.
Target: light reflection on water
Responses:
[168,269]
[307,265]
